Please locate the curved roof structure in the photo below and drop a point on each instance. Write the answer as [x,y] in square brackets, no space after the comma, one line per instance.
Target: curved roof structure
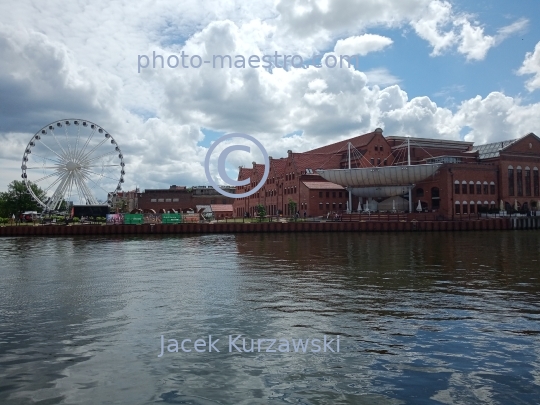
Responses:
[379,192]
[380,176]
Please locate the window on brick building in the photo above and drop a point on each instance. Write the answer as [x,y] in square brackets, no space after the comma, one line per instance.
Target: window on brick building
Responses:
[519,178]
[340,194]
[333,206]
[465,207]
[458,207]
[536,184]
[372,160]
[378,161]
[463,187]
[511,190]
[471,187]
[528,181]
[175,200]
[333,194]
[457,187]
[328,194]
[320,194]
[153,200]
[160,200]
[168,200]
[419,192]
[486,187]
[320,206]
[385,162]
[376,148]
[492,188]
[478,187]
[472,207]
[340,206]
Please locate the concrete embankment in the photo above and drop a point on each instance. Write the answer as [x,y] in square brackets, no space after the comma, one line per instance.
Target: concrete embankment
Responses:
[238,227]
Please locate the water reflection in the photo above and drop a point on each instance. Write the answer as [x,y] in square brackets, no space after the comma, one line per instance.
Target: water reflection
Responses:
[424,318]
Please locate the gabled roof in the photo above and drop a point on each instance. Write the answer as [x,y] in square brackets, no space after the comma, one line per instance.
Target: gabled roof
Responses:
[314,161]
[491,150]
[357,142]
[278,165]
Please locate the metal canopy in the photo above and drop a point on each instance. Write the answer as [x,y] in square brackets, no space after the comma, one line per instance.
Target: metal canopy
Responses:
[379,192]
[380,176]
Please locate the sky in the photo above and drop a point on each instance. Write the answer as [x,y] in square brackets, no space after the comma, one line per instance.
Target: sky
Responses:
[455,70]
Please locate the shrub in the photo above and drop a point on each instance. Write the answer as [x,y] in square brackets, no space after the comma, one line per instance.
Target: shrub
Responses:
[76,219]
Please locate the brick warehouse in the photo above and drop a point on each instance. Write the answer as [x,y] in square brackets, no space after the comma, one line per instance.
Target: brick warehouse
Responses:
[471,178]
[181,198]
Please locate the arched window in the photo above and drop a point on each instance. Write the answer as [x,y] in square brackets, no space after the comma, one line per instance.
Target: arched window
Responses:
[471,187]
[492,188]
[536,184]
[465,208]
[486,187]
[478,187]
[456,187]
[419,192]
[519,180]
[528,181]
[464,187]
[472,207]
[511,181]
[458,207]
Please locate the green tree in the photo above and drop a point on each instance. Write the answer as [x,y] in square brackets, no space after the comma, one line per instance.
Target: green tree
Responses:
[261,212]
[292,208]
[17,199]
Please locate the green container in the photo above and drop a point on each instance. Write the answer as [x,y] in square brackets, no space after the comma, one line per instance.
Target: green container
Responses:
[133,219]
[171,218]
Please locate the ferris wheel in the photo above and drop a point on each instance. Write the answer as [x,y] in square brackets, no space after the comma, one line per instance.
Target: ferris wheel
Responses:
[75,161]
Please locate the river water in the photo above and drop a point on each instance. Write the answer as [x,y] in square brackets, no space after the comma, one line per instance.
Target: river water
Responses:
[426,318]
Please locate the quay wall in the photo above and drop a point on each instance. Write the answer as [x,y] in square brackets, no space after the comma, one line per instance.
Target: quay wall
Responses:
[238,227]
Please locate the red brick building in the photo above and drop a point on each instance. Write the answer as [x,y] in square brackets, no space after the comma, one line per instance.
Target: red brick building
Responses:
[180,198]
[470,177]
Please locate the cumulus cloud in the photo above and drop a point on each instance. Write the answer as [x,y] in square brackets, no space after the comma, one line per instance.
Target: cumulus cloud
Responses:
[531,66]
[361,45]
[430,26]
[444,29]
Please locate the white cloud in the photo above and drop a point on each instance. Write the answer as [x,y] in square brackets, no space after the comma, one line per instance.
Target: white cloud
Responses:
[444,29]
[531,66]
[361,45]
[473,43]
[430,24]
[381,77]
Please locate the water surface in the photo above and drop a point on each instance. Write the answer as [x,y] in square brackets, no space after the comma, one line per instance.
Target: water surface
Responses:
[427,318]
